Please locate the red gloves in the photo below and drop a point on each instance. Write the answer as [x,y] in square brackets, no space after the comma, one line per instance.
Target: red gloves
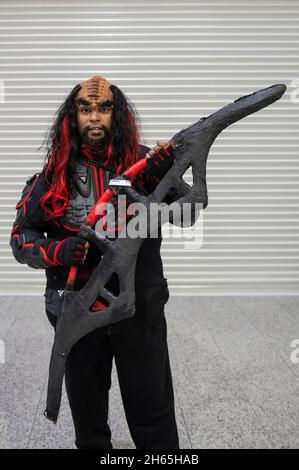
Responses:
[161,159]
[71,251]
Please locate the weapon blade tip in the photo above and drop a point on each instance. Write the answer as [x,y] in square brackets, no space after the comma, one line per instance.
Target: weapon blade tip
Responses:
[51,417]
[281,86]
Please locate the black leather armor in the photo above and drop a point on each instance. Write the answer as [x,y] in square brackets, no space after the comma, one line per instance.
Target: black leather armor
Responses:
[28,236]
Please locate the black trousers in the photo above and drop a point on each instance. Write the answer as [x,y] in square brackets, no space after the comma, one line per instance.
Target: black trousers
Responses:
[144,375]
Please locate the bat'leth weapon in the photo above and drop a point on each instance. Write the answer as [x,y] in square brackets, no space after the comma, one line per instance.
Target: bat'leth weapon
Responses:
[192,146]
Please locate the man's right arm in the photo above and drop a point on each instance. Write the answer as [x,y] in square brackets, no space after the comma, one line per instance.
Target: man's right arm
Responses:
[28,242]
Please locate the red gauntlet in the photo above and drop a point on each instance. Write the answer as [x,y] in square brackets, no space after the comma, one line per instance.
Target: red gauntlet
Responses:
[67,252]
[161,161]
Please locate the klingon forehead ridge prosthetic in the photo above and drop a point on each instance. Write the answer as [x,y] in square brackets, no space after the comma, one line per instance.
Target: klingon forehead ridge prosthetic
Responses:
[96,90]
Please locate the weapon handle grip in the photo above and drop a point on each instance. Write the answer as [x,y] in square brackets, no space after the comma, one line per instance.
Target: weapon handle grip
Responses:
[91,219]
[71,278]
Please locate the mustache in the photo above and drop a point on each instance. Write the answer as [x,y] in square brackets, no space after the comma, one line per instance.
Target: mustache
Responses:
[89,128]
[95,141]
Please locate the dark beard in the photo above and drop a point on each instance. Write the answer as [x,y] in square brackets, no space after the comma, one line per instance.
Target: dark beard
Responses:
[95,144]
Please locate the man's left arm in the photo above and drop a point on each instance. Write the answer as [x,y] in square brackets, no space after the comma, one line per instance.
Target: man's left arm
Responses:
[162,159]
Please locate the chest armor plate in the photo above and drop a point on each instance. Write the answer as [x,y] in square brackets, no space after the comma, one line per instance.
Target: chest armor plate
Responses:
[83,194]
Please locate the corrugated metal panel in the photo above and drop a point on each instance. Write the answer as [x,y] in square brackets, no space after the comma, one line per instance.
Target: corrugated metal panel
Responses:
[177,61]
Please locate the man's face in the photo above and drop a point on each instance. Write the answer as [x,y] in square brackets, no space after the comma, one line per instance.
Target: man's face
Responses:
[94,120]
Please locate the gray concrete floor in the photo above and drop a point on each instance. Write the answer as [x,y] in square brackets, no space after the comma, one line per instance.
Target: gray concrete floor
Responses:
[235,384]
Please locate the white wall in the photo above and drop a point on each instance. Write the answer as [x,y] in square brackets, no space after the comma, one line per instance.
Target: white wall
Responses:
[177,61]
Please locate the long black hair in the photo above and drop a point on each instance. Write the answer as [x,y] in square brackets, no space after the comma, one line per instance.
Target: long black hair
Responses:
[62,144]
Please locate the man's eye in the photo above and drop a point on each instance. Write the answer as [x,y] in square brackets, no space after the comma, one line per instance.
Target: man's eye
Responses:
[106,109]
[84,110]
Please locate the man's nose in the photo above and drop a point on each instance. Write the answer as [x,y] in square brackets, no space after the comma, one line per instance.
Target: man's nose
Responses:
[95,115]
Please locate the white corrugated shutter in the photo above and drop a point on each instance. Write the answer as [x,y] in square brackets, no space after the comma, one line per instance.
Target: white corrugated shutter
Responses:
[177,61]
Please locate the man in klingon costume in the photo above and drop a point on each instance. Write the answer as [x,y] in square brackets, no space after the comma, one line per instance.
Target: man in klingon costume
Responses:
[94,138]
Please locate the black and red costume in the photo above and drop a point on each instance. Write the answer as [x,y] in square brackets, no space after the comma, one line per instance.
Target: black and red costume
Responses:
[149,406]
[30,246]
